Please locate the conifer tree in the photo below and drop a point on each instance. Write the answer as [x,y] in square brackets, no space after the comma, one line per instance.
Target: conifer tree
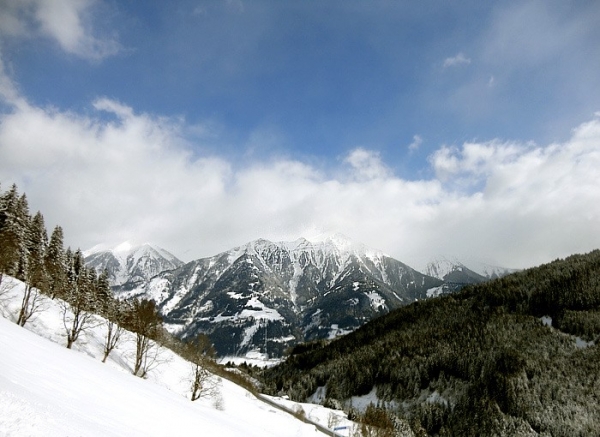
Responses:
[11,233]
[55,263]
[79,301]
[37,245]
[104,295]
[34,275]
[22,224]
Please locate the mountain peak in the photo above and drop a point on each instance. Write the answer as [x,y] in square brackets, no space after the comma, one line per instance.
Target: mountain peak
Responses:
[127,262]
[452,269]
[269,295]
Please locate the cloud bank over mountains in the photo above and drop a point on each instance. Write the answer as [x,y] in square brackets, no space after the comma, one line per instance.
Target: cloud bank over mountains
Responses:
[134,175]
[108,170]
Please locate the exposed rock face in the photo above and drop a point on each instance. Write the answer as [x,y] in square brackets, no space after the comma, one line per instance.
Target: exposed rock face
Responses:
[268,296]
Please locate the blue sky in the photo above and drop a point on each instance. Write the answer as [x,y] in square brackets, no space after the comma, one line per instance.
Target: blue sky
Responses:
[284,117]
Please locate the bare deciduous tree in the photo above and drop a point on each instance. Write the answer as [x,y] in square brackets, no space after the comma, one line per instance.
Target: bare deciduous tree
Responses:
[144,320]
[201,353]
[32,303]
[113,328]
[113,336]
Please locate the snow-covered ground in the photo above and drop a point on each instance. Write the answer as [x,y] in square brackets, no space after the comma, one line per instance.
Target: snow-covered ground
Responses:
[49,390]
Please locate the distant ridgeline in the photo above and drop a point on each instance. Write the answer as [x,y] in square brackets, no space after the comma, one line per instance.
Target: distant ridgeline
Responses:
[265,297]
[513,356]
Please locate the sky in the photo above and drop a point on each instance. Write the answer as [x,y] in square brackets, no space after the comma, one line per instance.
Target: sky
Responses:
[422,129]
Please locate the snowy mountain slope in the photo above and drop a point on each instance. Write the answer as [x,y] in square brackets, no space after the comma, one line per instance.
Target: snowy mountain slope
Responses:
[268,296]
[129,263]
[48,390]
[490,271]
[454,271]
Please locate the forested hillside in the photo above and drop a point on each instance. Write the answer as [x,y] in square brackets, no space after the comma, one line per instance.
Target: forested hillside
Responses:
[48,269]
[514,356]
[46,266]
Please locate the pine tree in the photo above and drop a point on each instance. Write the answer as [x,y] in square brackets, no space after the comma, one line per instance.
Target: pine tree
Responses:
[11,233]
[37,245]
[79,301]
[34,275]
[22,224]
[104,295]
[111,309]
[55,262]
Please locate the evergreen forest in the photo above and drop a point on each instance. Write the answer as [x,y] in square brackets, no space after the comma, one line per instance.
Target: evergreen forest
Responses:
[515,356]
[50,270]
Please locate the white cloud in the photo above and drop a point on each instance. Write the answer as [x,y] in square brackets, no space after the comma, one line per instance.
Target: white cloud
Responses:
[133,176]
[366,164]
[417,141]
[65,21]
[8,90]
[473,160]
[108,105]
[459,59]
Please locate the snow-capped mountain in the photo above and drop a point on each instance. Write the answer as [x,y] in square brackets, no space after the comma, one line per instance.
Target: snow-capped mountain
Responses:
[455,272]
[490,271]
[131,264]
[269,296]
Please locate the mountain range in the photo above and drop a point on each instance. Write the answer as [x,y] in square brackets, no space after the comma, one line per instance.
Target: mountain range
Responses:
[269,296]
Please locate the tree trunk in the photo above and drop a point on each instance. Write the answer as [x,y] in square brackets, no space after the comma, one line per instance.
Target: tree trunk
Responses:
[23,314]
[112,338]
[140,354]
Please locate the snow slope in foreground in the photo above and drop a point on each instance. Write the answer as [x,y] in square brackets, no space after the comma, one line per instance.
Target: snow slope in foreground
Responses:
[48,390]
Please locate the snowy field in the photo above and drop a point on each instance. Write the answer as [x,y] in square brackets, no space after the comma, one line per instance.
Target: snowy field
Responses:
[49,390]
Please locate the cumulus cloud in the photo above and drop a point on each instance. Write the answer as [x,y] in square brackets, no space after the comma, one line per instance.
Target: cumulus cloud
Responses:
[61,20]
[132,175]
[459,59]
[366,164]
[472,160]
